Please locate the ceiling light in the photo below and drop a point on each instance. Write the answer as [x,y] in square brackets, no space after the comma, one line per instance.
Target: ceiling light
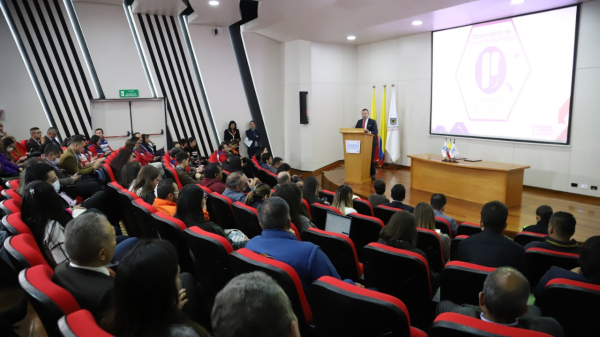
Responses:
[351,37]
[516,2]
[213,3]
[417,23]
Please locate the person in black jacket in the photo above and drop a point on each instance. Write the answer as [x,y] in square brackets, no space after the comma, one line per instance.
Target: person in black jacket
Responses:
[231,133]
[254,136]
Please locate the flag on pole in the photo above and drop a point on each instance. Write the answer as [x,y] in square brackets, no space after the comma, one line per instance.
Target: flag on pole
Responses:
[382,130]
[374,117]
[445,153]
[454,150]
[392,144]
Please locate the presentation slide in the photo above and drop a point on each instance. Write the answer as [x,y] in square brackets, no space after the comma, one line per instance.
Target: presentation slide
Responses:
[508,79]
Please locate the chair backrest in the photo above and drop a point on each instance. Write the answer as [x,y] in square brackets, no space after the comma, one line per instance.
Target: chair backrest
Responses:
[327,194]
[171,229]
[468,229]
[443,225]
[172,174]
[14,183]
[307,207]
[454,245]
[575,305]
[223,210]
[206,189]
[23,252]
[15,225]
[430,243]
[385,213]
[523,238]
[296,231]
[10,206]
[11,193]
[143,212]
[209,208]
[111,174]
[339,249]
[364,229]
[247,219]
[246,261]
[342,309]
[130,222]
[462,282]
[80,324]
[362,206]
[115,185]
[457,325]
[319,214]
[540,260]
[210,253]
[49,300]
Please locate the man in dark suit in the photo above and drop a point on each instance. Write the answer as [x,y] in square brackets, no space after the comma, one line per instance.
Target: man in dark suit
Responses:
[490,248]
[35,143]
[542,216]
[398,195]
[370,127]
[560,230]
[504,301]
[49,139]
[253,135]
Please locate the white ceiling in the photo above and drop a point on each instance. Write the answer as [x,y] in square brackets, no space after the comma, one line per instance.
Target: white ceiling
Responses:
[333,20]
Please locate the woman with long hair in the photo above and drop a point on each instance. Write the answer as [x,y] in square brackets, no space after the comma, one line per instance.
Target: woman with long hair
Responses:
[9,168]
[145,183]
[343,200]
[260,193]
[129,173]
[231,133]
[18,151]
[190,210]
[292,194]
[124,156]
[235,164]
[8,148]
[310,191]
[401,232]
[147,298]
[425,218]
[142,154]
[94,146]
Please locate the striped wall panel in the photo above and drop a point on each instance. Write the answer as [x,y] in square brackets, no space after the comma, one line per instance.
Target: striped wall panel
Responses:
[170,67]
[57,65]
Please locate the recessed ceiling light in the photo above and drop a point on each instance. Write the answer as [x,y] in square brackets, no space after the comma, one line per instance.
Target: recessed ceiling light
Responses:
[351,37]
[516,2]
[213,3]
[417,23]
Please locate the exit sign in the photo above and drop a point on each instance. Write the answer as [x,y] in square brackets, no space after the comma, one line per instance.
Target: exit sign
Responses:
[129,93]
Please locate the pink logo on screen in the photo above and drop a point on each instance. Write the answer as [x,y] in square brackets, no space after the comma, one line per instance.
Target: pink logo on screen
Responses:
[492,71]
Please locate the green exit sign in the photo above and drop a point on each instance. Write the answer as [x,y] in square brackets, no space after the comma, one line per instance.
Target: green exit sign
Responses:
[129,93]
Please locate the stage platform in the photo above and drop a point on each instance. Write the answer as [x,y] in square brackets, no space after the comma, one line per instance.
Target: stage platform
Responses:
[585,209]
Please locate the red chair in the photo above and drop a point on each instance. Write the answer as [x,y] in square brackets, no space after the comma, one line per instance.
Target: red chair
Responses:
[454,245]
[307,207]
[206,189]
[430,243]
[468,229]
[523,238]
[362,206]
[340,251]
[296,231]
[24,146]
[364,229]
[327,194]
[15,225]
[246,261]
[171,229]
[111,174]
[540,260]
[443,225]
[172,174]
[223,211]
[462,282]
[10,206]
[13,183]
[50,301]
[385,213]
[80,324]
[247,219]
[143,211]
[457,325]
[11,193]
[319,214]
[342,309]
[23,252]
[575,305]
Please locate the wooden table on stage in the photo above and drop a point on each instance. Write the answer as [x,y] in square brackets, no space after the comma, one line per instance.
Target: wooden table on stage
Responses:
[478,182]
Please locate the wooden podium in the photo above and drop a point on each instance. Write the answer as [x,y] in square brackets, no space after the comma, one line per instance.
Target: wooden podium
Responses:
[358,165]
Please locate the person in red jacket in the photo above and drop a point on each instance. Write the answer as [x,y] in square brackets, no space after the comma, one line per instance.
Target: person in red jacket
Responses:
[219,156]
[142,156]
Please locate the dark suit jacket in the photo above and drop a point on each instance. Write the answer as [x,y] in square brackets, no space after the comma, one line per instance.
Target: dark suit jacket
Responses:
[555,245]
[492,249]
[33,146]
[253,136]
[398,204]
[371,125]
[540,227]
[92,290]
[557,272]
[48,142]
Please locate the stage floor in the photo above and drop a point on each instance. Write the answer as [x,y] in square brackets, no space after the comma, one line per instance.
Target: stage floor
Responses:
[585,209]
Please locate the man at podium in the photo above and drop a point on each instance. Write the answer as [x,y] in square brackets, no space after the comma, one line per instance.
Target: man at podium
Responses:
[370,127]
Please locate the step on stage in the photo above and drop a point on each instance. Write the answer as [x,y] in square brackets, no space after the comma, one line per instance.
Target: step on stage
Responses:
[585,209]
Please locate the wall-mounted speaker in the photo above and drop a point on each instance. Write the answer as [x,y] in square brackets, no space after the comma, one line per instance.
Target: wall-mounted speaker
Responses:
[303,107]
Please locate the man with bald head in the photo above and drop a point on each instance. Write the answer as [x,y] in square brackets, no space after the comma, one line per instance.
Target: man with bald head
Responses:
[503,301]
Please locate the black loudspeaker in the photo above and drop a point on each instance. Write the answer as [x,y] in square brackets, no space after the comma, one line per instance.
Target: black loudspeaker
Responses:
[303,108]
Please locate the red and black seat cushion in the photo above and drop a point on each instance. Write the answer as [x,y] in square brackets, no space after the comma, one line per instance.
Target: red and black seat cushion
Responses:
[319,214]
[247,219]
[80,324]
[339,249]
[462,281]
[453,324]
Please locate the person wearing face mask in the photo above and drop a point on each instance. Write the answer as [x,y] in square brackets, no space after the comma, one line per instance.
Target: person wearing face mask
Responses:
[8,146]
[166,197]
[70,184]
[9,169]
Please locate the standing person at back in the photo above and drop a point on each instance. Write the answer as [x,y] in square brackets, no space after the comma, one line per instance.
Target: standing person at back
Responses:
[378,198]
[491,248]
[253,136]
[398,196]
[438,202]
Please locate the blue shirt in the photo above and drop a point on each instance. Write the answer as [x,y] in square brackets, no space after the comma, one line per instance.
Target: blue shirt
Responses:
[307,259]
[234,195]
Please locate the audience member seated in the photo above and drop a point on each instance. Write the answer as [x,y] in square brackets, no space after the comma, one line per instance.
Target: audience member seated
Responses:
[310,191]
[50,138]
[236,164]
[129,173]
[560,231]
[220,155]
[503,301]
[8,148]
[166,197]
[278,241]
[438,202]
[231,317]
[145,183]
[491,248]
[213,178]
[277,161]
[401,232]
[260,193]
[542,216]
[286,168]
[192,148]
[378,198]
[234,147]
[259,152]
[125,155]
[266,159]
[143,155]
[425,218]
[235,184]
[588,270]
[71,162]
[94,146]
[149,146]
[183,162]
[149,295]
[292,194]
[34,144]
[103,143]
[70,184]
[183,143]
[343,200]
[282,178]
[191,210]
[398,195]
[173,154]
[7,167]
[91,244]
